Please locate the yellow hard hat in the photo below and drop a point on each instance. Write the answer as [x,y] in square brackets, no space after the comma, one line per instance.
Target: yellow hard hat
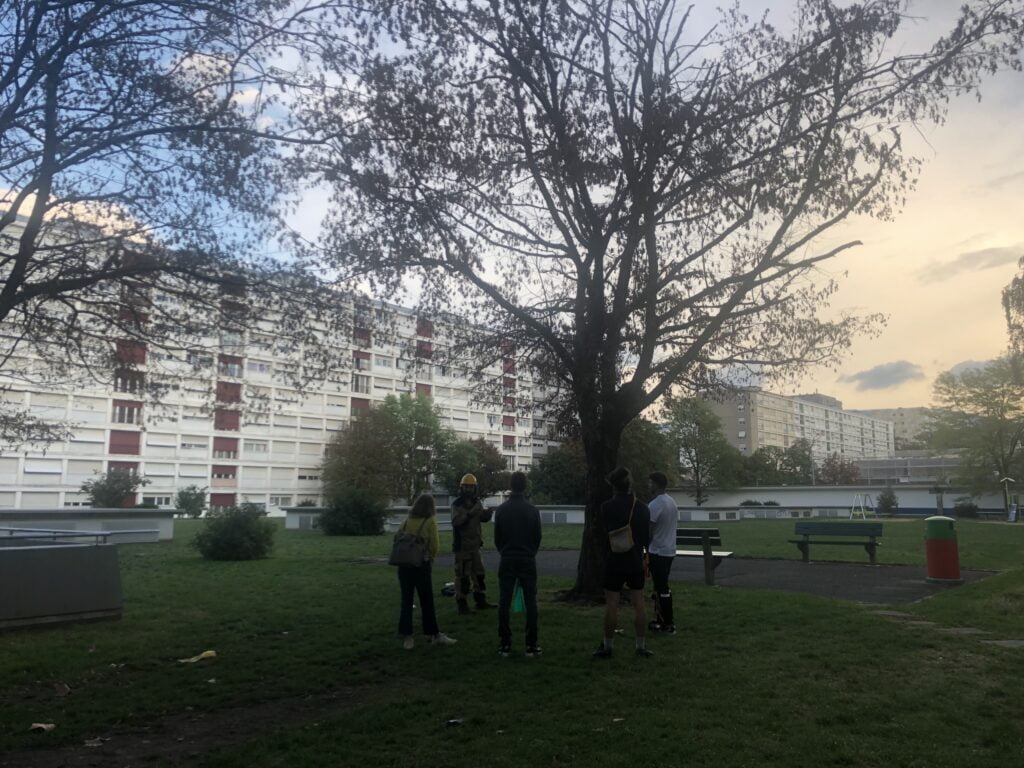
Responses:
[468,479]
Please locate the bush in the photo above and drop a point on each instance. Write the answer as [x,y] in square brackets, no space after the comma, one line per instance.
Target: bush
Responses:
[236,533]
[750,503]
[771,503]
[887,502]
[354,512]
[964,506]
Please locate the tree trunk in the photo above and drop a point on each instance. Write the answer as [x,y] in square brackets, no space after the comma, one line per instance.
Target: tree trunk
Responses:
[601,449]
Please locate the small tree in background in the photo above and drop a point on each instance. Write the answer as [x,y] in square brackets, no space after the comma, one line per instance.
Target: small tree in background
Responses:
[798,463]
[836,470]
[480,458]
[887,503]
[191,501]
[236,533]
[706,459]
[114,490]
[392,450]
[560,475]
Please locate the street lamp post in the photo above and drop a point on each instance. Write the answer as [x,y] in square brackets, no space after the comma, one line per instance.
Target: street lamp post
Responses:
[1005,482]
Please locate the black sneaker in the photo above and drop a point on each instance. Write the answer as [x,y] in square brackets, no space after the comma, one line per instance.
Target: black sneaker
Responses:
[504,650]
[644,653]
[668,629]
[602,653]
[533,652]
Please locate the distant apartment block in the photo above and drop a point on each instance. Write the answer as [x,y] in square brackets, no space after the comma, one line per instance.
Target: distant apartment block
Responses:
[752,419]
[206,430]
[910,423]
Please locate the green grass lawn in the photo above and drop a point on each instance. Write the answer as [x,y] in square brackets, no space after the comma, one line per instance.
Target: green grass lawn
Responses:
[754,678]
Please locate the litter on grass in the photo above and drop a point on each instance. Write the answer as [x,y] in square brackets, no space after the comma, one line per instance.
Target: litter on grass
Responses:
[43,727]
[200,657]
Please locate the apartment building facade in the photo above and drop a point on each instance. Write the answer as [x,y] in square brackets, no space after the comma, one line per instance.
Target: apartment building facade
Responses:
[230,423]
[752,419]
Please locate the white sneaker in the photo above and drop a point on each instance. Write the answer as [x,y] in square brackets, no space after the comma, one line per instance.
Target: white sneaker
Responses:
[442,639]
[409,643]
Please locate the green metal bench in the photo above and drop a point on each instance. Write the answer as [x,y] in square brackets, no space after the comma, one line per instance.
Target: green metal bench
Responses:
[705,539]
[838,534]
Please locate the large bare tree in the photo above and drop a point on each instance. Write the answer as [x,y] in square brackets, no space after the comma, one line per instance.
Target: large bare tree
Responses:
[141,184]
[625,197]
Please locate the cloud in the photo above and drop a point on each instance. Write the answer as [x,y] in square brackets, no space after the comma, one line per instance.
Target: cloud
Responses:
[885,376]
[969,365]
[1007,180]
[972,261]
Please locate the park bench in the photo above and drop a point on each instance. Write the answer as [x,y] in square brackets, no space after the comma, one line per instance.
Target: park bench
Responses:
[866,535]
[705,539]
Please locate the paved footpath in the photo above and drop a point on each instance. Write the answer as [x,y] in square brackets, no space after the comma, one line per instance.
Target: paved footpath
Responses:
[883,584]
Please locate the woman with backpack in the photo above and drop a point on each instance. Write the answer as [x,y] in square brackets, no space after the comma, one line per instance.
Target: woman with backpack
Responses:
[416,579]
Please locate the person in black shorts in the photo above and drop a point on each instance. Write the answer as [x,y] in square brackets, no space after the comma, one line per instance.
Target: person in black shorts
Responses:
[624,568]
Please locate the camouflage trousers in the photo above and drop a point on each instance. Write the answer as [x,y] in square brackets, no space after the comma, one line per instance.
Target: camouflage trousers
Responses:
[469,572]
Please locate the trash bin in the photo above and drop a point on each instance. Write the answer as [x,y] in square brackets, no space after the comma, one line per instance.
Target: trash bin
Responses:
[941,550]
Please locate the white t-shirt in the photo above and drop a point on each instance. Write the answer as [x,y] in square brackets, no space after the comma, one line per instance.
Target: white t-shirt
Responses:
[664,516]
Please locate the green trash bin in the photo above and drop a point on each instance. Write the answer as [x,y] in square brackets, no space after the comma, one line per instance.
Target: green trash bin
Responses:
[941,549]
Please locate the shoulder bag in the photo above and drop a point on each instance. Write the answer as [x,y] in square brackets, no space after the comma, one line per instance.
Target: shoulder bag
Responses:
[621,539]
[409,548]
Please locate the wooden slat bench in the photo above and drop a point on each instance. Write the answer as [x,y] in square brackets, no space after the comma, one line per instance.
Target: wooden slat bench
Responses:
[704,539]
[866,533]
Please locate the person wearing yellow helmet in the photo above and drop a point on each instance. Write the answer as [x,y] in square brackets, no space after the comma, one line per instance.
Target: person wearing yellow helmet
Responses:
[467,538]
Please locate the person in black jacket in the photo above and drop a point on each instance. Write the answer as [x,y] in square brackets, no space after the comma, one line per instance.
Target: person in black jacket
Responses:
[626,567]
[517,538]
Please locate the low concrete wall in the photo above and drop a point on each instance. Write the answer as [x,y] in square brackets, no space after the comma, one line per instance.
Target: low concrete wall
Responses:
[88,519]
[58,584]
[305,518]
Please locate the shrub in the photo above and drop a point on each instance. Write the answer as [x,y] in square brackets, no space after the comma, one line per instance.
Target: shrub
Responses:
[115,489]
[750,503]
[964,506]
[306,503]
[236,533]
[354,512]
[770,503]
[887,502]
[191,501]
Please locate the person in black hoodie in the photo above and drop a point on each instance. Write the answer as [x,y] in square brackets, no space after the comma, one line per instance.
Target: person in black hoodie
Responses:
[624,568]
[517,538]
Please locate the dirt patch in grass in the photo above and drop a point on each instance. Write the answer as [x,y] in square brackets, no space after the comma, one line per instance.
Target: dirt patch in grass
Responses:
[187,737]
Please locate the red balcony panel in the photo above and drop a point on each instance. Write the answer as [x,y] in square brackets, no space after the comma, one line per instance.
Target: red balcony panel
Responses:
[509,383]
[361,336]
[358,354]
[123,441]
[508,421]
[230,359]
[360,404]
[509,402]
[229,392]
[132,316]
[423,389]
[508,366]
[131,352]
[508,347]
[222,500]
[225,444]
[424,327]
[424,349]
[508,441]
[224,469]
[226,420]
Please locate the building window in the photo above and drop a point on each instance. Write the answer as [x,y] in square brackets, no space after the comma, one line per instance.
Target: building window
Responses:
[129,381]
[230,365]
[225,447]
[382,362]
[127,412]
[157,501]
[361,360]
[258,366]
[255,446]
[401,365]
[280,501]
[360,384]
[308,474]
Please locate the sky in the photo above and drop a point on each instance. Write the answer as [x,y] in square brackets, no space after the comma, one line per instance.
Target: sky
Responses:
[938,270]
